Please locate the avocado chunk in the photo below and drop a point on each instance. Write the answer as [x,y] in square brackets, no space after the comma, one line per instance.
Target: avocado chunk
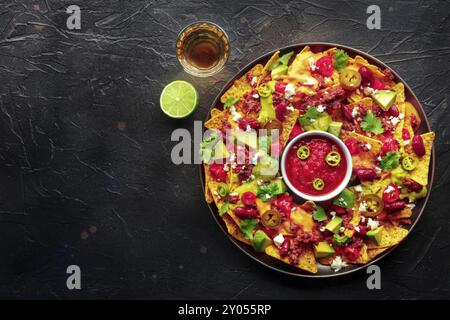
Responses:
[334,225]
[322,123]
[266,167]
[251,186]
[384,98]
[248,138]
[376,235]
[335,128]
[323,249]
[280,70]
[261,241]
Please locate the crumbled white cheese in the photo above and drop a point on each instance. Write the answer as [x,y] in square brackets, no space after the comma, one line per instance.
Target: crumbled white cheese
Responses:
[289,91]
[358,188]
[363,206]
[368,91]
[411,205]
[234,194]
[327,79]
[232,157]
[215,193]
[357,91]
[406,142]
[395,121]
[333,214]
[378,170]
[321,108]
[357,229]
[259,182]
[290,108]
[341,229]
[256,96]
[226,168]
[389,189]
[252,176]
[309,82]
[379,158]
[338,264]
[234,165]
[355,112]
[248,128]
[368,146]
[236,116]
[293,209]
[401,116]
[362,219]
[312,64]
[322,229]
[254,81]
[278,240]
[372,224]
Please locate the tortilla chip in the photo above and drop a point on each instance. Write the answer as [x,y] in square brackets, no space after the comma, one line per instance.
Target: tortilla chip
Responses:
[403,214]
[241,85]
[363,256]
[288,124]
[218,120]
[272,59]
[302,218]
[213,187]
[233,229]
[372,253]
[391,236]
[398,132]
[366,159]
[363,62]
[420,173]
[214,112]
[399,88]
[306,261]
[409,111]
[208,195]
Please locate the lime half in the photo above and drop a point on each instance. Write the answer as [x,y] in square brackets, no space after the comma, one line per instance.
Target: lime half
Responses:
[178,99]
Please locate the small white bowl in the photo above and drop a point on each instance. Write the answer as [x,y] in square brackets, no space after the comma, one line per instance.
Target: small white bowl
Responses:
[344,182]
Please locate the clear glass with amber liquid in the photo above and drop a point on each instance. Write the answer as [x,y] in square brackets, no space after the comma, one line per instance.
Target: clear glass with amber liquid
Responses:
[202,48]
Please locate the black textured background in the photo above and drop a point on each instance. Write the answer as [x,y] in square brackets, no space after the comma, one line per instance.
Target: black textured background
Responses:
[85,171]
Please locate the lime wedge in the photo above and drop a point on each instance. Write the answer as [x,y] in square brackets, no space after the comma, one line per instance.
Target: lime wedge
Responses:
[178,99]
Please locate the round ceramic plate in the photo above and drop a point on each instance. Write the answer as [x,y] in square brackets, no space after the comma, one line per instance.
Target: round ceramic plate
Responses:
[324,271]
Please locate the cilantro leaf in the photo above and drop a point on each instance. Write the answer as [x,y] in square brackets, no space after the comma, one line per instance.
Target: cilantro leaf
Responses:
[224,208]
[372,124]
[247,226]
[340,60]
[267,192]
[319,214]
[311,115]
[230,102]
[390,161]
[283,60]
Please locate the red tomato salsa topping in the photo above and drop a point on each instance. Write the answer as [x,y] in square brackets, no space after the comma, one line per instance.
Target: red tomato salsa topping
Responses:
[303,172]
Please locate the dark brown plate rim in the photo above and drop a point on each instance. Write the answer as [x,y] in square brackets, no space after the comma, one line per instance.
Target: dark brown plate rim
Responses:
[274,264]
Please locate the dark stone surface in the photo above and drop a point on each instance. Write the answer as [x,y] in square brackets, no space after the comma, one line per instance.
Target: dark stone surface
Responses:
[85,150]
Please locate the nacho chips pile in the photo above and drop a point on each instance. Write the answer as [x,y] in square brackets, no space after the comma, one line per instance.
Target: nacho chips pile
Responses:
[328,91]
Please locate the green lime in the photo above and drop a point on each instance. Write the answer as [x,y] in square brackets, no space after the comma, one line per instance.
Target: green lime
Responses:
[178,99]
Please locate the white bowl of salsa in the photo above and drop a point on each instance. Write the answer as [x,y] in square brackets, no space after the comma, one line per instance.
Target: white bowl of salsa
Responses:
[316,165]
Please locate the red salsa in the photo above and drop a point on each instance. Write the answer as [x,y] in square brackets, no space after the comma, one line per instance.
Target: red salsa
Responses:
[321,171]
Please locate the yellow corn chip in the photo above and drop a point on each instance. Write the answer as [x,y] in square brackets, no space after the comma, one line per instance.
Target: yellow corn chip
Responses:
[399,88]
[372,253]
[391,236]
[363,62]
[288,124]
[218,120]
[214,112]
[366,159]
[241,85]
[233,229]
[208,195]
[306,261]
[363,256]
[420,173]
